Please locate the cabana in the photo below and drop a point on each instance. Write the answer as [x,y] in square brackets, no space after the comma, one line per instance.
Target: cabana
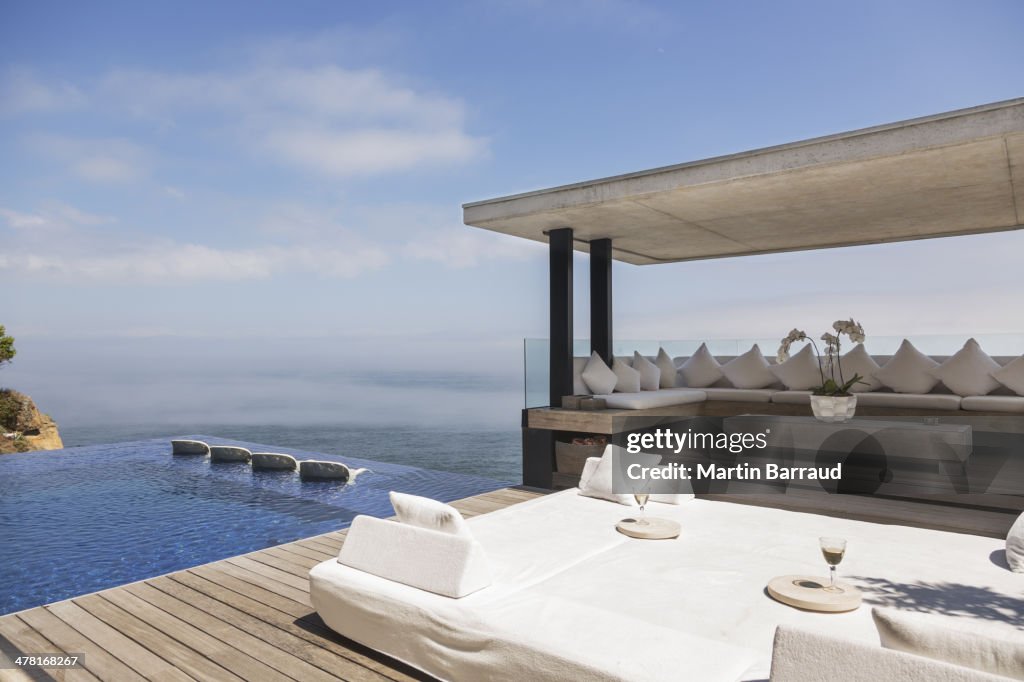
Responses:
[956,173]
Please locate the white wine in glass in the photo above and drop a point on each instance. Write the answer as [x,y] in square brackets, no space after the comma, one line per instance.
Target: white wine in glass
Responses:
[641,499]
[833,549]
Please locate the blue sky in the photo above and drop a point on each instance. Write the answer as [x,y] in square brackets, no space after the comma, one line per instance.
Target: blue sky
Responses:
[296,169]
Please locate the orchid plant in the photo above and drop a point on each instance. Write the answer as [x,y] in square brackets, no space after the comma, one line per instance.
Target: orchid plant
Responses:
[835,384]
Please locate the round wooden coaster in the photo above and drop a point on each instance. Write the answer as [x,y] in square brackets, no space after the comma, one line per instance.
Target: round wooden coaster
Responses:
[655,528]
[808,592]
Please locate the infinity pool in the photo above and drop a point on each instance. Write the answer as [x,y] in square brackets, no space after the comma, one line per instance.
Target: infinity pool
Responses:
[83,519]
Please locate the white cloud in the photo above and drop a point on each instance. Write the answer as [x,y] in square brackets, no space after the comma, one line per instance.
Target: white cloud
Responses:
[61,242]
[325,119]
[173,263]
[99,160]
[371,152]
[463,247]
[21,92]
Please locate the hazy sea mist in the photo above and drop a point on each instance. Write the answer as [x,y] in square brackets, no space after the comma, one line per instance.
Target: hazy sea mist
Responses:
[424,410]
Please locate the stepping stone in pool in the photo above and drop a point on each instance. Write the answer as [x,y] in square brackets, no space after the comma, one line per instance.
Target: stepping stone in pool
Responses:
[274,461]
[317,470]
[189,447]
[229,453]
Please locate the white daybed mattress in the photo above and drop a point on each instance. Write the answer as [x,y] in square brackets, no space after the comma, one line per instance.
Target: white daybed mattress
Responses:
[573,599]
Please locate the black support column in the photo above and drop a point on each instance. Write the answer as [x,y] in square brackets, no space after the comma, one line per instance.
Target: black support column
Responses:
[560,307]
[601,298]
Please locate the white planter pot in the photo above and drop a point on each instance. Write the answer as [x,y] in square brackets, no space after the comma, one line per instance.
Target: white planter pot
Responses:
[833,408]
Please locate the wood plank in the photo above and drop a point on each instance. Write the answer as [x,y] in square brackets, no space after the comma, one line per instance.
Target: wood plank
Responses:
[271,666]
[18,638]
[290,563]
[178,655]
[298,658]
[283,622]
[98,660]
[299,596]
[305,551]
[227,657]
[276,574]
[264,596]
[133,655]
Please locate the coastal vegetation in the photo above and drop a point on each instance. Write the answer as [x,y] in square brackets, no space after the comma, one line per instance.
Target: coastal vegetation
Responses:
[22,426]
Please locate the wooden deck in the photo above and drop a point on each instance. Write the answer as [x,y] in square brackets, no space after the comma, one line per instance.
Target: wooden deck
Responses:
[243,618]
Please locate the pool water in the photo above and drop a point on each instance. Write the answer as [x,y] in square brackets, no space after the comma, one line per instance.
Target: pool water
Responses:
[78,520]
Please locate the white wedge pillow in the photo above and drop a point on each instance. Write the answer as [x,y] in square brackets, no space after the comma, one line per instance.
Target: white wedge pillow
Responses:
[424,512]
[858,361]
[701,369]
[969,371]
[627,379]
[1015,545]
[800,372]
[749,370]
[598,377]
[590,466]
[909,371]
[668,369]
[650,374]
[1012,375]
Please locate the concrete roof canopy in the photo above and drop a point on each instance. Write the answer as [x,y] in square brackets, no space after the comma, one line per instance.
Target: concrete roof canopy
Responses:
[956,173]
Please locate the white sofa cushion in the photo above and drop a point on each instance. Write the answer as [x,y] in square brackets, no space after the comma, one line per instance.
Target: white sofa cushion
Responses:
[969,371]
[650,374]
[668,369]
[915,401]
[424,512]
[1015,545]
[643,400]
[701,369]
[960,641]
[749,370]
[858,361]
[598,377]
[1012,375]
[909,371]
[800,372]
[800,655]
[741,395]
[1012,404]
[792,397]
[442,563]
[627,379]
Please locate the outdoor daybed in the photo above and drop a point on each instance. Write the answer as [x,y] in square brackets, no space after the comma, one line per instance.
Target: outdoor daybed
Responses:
[561,595]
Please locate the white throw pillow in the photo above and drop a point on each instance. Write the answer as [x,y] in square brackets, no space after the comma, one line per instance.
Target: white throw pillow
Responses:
[701,369]
[1012,376]
[857,361]
[749,370]
[600,380]
[599,482]
[909,371]
[650,375]
[800,372]
[1015,545]
[627,378]
[961,641]
[668,369]
[969,371]
[424,512]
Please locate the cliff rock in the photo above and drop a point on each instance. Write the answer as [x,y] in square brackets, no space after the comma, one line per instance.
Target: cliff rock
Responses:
[23,427]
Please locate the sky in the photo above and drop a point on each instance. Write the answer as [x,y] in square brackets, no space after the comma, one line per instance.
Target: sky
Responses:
[263,185]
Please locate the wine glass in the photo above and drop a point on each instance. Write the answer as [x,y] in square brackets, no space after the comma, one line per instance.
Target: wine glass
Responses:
[833,549]
[641,498]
